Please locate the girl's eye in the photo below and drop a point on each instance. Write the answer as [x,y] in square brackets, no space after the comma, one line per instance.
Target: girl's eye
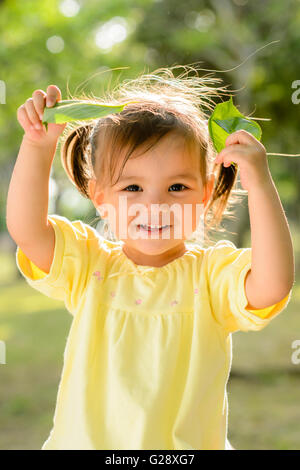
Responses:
[179,184]
[136,186]
[131,186]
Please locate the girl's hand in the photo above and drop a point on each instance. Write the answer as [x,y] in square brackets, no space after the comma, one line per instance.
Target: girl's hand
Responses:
[30,115]
[250,155]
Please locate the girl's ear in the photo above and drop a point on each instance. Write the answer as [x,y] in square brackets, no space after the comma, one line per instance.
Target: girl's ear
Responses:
[92,187]
[95,196]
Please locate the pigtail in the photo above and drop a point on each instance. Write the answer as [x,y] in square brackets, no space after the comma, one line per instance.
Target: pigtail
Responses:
[225,182]
[76,157]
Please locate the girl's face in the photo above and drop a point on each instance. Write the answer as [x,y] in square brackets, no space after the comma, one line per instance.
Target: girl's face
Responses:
[161,187]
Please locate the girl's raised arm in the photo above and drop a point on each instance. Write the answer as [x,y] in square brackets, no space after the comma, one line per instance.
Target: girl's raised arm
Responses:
[28,193]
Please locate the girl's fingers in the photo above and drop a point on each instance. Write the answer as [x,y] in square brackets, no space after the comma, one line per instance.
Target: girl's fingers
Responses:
[53,95]
[24,119]
[32,114]
[240,137]
[39,101]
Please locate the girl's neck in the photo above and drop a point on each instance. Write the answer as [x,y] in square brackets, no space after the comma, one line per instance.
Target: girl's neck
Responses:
[154,260]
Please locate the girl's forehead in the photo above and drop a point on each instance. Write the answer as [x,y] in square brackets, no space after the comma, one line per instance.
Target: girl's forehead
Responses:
[173,154]
[165,156]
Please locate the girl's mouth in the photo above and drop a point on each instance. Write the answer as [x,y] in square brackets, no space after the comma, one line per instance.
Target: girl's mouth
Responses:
[148,229]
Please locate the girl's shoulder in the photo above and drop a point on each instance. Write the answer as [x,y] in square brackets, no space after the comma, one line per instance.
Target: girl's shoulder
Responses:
[82,230]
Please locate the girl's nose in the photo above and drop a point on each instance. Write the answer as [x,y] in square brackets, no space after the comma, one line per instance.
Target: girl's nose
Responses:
[158,208]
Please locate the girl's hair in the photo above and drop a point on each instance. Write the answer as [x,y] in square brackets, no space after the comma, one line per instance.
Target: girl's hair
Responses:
[162,103]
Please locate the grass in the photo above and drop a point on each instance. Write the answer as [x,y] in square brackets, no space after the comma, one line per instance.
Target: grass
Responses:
[35,344]
[264,384]
[263,388]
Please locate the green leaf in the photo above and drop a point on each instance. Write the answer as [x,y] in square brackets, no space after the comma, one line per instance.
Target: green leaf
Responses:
[225,120]
[78,110]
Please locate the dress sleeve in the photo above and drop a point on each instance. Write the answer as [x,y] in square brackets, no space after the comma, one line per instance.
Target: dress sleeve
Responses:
[76,244]
[226,270]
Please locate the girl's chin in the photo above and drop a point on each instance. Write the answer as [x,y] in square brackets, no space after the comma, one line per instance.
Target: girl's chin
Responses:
[149,246]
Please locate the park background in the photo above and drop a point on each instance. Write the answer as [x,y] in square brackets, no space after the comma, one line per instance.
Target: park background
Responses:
[84,46]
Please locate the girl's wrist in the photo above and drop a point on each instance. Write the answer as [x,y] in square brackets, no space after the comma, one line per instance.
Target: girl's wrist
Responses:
[266,187]
[264,183]
[43,144]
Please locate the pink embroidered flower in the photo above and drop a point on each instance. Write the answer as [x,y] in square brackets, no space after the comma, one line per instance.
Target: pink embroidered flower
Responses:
[138,301]
[97,274]
[113,294]
[196,291]
[174,302]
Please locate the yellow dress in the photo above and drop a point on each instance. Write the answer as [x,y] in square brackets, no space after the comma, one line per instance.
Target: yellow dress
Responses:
[149,350]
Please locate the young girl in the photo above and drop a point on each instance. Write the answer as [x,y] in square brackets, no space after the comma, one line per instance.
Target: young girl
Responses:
[149,351]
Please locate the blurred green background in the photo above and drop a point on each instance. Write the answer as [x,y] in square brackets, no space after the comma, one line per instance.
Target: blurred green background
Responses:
[75,45]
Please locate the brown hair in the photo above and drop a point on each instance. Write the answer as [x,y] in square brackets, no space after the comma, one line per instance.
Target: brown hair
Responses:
[162,103]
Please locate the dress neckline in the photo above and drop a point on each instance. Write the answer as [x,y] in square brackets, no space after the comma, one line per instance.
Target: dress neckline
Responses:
[141,268]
